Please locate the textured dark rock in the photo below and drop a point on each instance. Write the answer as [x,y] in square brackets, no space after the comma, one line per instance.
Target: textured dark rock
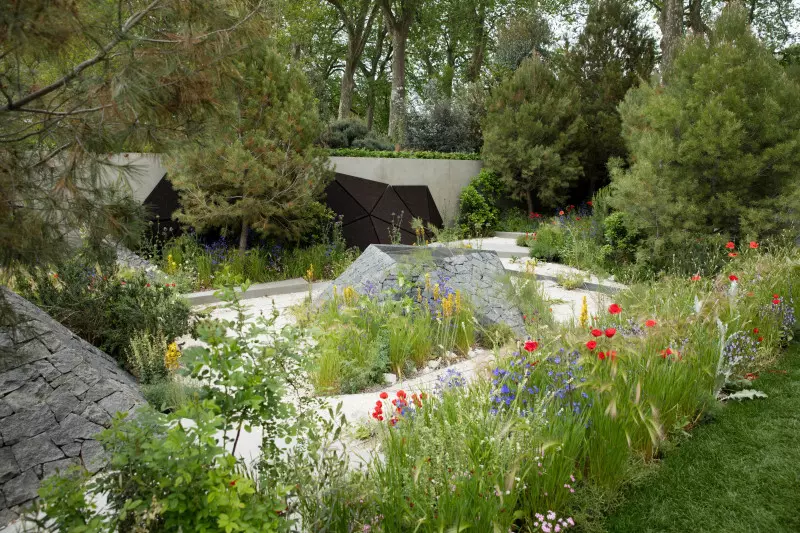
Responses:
[56,392]
[476,273]
[8,464]
[35,451]
[21,489]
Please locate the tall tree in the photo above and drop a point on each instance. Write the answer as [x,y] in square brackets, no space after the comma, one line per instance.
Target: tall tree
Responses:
[671,23]
[82,78]
[254,166]
[528,134]
[612,54]
[378,54]
[357,16]
[714,151]
[399,16]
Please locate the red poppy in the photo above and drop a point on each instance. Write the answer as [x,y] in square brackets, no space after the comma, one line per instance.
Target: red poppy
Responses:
[696,277]
[577,218]
[776,296]
[755,330]
[384,395]
[423,396]
[733,277]
[650,323]
[561,213]
[531,345]
[730,245]
[750,376]
[122,283]
[733,254]
[596,333]
[393,420]
[601,356]
[614,309]
[233,483]
[401,394]
[589,203]
[776,301]
[613,354]
[760,339]
[753,245]
[147,285]
[591,345]
[665,353]
[55,276]
[610,332]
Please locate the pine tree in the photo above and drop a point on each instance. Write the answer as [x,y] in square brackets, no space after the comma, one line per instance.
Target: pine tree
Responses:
[612,54]
[716,149]
[528,131]
[83,78]
[254,166]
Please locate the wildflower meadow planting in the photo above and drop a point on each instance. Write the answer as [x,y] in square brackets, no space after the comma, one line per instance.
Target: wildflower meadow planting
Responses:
[217,313]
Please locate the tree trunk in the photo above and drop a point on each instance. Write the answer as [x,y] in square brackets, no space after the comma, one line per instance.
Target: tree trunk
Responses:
[479,48]
[397,104]
[449,73]
[243,238]
[370,108]
[348,85]
[529,198]
[696,17]
[671,23]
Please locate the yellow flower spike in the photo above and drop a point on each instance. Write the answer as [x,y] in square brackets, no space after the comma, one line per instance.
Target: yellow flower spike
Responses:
[427,282]
[584,316]
[436,293]
[172,357]
[419,294]
[458,301]
[350,296]
[310,273]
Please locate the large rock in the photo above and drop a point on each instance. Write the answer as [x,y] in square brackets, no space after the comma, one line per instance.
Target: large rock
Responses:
[476,273]
[56,392]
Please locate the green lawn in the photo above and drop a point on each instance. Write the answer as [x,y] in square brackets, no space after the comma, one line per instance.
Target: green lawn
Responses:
[739,472]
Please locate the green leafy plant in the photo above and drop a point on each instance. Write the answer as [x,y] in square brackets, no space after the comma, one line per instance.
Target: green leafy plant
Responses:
[548,242]
[359,152]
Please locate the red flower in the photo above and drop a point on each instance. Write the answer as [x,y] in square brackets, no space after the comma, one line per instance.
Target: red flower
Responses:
[650,323]
[730,245]
[755,330]
[750,376]
[760,339]
[577,218]
[776,301]
[596,333]
[591,345]
[384,395]
[122,283]
[147,285]
[753,245]
[613,354]
[614,309]
[601,356]
[733,254]
[589,203]
[665,353]
[610,332]
[776,296]
[401,394]
[55,276]
[233,483]
[733,277]
[561,213]
[531,345]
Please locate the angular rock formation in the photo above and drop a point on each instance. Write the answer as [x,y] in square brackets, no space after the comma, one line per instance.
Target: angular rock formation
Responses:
[476,273]
[56,392]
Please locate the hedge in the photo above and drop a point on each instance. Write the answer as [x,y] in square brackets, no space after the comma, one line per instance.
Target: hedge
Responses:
[359,152]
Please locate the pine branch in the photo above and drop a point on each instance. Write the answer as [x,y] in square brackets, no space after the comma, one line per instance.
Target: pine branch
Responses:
[132,21]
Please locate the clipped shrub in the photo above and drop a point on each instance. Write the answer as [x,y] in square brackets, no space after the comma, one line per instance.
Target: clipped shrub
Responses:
[442,127]
[360,152]
[477,215]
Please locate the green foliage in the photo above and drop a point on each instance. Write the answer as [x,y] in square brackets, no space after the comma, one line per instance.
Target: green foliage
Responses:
[107,307]
[358,152]
[159,466]
[442,126]
[529,129]
[613,52]
[622,239]
[145,357]
[548,242]
[714,150]
[170,395]
[353,133]
[265,173]
[477,215]
[478,212]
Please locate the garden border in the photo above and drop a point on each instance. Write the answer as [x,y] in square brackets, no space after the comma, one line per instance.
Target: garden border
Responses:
[257,290]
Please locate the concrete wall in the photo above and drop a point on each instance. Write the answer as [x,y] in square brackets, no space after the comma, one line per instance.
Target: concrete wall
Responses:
[444,177]
[142,172]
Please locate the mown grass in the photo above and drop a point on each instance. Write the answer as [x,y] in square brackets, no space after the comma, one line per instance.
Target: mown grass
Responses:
[739,472]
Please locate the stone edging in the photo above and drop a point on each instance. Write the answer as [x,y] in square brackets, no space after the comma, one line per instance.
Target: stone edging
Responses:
[258,290]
